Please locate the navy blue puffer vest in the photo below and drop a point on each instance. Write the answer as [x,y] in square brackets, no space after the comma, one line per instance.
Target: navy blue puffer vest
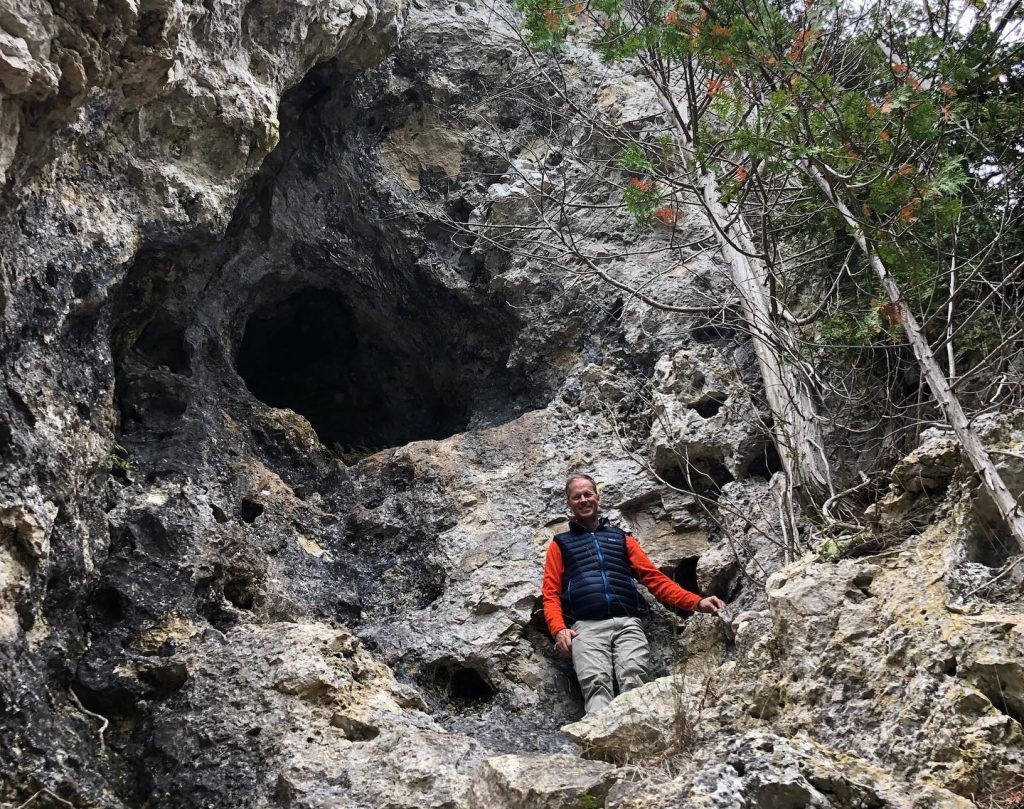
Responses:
[598,579]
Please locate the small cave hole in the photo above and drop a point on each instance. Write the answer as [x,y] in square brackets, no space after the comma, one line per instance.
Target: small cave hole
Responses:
[765,464]
[355,730]
[467,684]
[162,342]
[702,476]
[249,510]
[1002,697]
[108,605]
[462,683]
[711,334]
[986,544]
[709,404]
[685,574]
[240,592]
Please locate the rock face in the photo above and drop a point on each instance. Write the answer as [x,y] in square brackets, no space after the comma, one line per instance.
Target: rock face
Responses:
[284,441]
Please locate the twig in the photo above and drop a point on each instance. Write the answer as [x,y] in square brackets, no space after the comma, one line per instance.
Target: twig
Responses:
[995,578]
[105,723]
[826,508]
[48,792]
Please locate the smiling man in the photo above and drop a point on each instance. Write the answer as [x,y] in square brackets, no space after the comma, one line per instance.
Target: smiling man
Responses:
[591,603]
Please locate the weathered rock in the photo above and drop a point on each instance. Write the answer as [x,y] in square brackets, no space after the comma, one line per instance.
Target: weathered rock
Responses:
[643,723]
[277,494]
[541,782]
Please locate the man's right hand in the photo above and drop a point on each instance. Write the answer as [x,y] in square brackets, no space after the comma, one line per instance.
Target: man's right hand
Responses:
[563,642]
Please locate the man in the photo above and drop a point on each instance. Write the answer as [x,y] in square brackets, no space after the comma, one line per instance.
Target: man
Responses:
[589,580]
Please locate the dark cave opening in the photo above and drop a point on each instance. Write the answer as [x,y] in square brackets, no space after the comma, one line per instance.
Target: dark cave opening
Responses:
[685,574]
[460,682]
[370,374]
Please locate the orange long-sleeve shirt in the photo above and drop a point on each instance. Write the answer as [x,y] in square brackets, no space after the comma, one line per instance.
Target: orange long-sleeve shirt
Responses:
[660,585]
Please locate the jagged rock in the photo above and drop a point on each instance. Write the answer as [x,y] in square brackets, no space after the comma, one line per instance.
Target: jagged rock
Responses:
[659,716]
[762,770]
[230,451]
[287,710]
[541,782]
[697,437]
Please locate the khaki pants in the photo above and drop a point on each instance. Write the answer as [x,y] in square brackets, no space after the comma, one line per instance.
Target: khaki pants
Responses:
[603,649]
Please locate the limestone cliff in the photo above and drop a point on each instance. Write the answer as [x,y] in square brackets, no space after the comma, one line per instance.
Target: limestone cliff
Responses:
[283,445]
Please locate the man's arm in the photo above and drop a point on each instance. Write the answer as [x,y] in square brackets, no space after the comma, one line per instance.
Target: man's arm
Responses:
[551,595]
[551,590]
[662,587]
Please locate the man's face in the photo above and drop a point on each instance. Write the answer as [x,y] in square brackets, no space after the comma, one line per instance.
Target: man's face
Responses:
[583,500]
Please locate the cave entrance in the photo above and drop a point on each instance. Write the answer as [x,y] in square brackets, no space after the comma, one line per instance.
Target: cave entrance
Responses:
[370,376]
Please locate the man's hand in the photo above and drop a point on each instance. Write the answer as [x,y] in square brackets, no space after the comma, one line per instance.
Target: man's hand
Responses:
[711,605]
[563,642]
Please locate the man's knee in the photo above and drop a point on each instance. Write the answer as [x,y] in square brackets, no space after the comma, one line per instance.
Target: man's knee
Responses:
[632,656]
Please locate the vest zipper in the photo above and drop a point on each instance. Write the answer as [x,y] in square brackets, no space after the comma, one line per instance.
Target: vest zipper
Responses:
[604,574]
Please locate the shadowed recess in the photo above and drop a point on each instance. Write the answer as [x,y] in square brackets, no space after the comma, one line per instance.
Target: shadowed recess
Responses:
[369,373]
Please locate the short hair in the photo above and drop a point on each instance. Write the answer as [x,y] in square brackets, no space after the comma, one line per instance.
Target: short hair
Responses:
[579,476]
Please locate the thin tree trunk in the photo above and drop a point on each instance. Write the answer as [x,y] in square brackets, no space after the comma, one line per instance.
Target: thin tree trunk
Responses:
[937,382]
[795,424]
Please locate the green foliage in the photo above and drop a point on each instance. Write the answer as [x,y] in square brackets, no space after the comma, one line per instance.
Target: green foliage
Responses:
[120,461]
[642,198]
[917,125]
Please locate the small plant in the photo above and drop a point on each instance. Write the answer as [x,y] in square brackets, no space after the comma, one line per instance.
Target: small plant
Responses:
[588,800]
[120,461]
[349,455]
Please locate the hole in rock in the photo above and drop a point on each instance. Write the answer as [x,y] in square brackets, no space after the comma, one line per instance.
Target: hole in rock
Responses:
[108,606]
[765,464]
[1002,695]
[240,592]
[986,543]
[162,342]
[685,574]
[372,371]
[709,404]
[249,510]
[703,476]
[467,684]
[462,683]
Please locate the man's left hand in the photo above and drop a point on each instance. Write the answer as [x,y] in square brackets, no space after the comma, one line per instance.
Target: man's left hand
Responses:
[711,605]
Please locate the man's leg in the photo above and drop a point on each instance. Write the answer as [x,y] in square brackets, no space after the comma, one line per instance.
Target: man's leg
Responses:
[592,659]
[631,653]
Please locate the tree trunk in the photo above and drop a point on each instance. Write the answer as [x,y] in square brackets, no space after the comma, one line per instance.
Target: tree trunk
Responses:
[796,426]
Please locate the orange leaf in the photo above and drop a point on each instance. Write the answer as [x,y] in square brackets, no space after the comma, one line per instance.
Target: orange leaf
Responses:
[900,68]
[885,136]
[907,212]
[720,30]
[552,19]
[870,109]
[741,172]
[715,86]
[914,83]
[667,216]
[641,185]
[891,312]
[672,18]
[887,105]
[943,112]
[948,89]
